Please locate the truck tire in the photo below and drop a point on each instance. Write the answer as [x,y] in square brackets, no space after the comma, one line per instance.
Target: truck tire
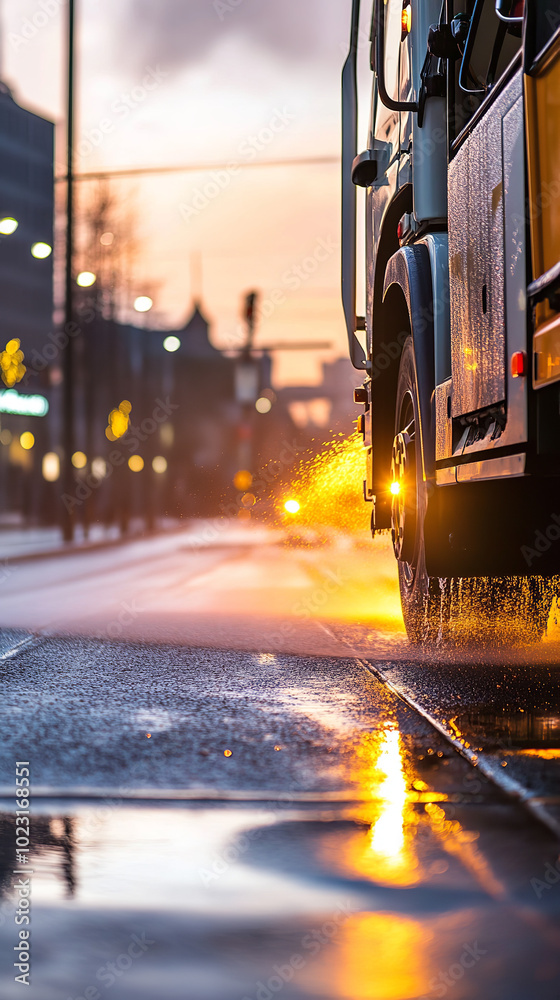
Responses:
[421,595]
[497,610]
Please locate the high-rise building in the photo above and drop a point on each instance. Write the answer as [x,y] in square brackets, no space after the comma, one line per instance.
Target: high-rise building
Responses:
[26,300]
[26,195]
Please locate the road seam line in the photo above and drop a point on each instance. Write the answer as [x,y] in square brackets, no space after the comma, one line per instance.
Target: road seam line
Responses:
[510,786]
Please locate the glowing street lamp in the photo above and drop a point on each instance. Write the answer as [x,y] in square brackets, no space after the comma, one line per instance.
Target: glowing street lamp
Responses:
[8,226]
[27,440]
[172,344]
[86,279]
[41,251]
[143,304]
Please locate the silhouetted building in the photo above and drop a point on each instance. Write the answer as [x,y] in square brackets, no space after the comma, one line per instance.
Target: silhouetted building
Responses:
[26,297]
[26,195]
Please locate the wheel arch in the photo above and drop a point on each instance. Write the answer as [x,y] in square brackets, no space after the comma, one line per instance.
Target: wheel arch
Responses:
[408,284]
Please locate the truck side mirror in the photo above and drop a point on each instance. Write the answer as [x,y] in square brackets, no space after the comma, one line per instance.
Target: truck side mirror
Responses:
[365,168]
[388,101]
[447,41]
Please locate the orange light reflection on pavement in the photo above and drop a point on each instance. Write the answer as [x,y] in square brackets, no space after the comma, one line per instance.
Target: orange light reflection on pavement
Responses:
[388,831]
[384,848]
[387,955]
[381,956]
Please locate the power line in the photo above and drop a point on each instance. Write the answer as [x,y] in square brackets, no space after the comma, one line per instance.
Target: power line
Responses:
[304,345]
[199,167]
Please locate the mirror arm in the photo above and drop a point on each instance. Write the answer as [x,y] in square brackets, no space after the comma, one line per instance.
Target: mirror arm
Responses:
[380,60]
[349,144]
[506,17]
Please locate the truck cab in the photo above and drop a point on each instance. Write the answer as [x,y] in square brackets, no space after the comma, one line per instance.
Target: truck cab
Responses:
[458,337]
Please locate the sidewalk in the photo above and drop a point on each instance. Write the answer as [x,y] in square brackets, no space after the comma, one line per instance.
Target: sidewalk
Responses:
[21,543]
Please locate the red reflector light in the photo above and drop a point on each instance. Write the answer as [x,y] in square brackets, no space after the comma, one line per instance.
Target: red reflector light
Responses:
[400,230]
[518,364]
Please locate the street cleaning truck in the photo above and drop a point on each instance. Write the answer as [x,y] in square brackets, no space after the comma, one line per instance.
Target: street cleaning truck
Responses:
[458,334]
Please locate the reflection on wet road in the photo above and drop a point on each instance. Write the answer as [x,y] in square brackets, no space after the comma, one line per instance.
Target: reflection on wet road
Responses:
[223,820]
[343,849]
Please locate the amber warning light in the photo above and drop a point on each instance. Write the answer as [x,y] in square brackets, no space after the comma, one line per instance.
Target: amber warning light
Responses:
[406,21]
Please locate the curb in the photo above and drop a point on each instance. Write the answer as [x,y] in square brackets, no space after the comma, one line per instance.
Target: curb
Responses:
[72,550]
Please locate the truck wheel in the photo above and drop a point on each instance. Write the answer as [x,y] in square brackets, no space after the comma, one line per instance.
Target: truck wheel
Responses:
[421,595]
[500,610]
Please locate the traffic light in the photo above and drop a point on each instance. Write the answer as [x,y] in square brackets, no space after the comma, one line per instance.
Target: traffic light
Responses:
[12,368]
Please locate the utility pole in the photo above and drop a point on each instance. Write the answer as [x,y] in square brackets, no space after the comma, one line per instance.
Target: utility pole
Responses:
[68,524]
[247,374]
[1,40]
[250,306]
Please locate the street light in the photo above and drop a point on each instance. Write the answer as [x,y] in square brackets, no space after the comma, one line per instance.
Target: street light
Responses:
[41,251]
[68,354]
[172,344]
[143,304]
[86,279]
[8,226]
[27,440]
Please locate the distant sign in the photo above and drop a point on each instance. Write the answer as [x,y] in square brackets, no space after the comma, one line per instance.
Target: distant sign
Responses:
[246,381]
[12,401]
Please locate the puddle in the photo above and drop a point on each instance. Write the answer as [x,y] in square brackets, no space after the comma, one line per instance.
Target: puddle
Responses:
[519,729]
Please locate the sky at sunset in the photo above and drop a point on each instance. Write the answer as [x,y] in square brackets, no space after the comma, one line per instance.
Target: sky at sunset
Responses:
[165,82]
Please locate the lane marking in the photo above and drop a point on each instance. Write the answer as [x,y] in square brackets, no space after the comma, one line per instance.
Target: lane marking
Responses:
[20,646]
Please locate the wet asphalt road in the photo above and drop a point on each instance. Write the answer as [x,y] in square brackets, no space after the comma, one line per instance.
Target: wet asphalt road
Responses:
[233,797]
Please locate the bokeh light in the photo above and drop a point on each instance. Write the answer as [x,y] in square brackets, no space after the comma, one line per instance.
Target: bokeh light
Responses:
[79,460]
[51,467]
[119,420]
[172,344]
[242,480]
[143,303]
[8,226]
[263,405]
[99,468]
[136,463]
[159,464]
[41,251]
[12,367]
[292,506]
[86,279]
[27,440]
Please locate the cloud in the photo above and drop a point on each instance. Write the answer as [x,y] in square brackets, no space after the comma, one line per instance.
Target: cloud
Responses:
[179,34]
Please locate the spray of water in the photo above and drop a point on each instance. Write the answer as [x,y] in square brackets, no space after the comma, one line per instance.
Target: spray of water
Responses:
[328,488]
